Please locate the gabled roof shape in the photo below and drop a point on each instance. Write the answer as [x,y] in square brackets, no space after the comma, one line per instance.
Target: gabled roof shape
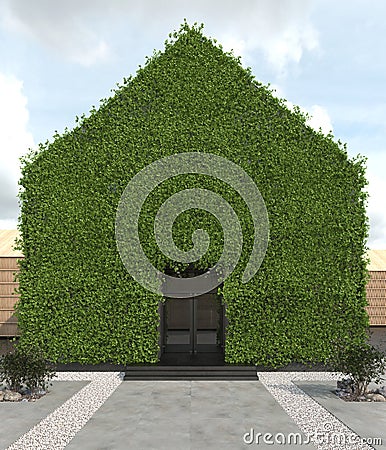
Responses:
[193,97]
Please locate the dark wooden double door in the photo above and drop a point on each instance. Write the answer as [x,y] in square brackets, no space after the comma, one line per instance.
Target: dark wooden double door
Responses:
[193,325]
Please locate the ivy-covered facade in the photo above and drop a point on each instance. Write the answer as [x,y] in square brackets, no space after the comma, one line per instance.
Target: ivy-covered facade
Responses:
[77,300]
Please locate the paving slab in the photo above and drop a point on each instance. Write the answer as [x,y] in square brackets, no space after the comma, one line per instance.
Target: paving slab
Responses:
[98,411]
[367,419]
[16,418]
[183,415]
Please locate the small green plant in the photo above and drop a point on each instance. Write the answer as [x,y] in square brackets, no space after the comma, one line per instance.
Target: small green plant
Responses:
[25,368]
[362,363]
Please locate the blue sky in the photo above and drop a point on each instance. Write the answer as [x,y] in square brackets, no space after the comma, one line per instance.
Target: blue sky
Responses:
[57,59]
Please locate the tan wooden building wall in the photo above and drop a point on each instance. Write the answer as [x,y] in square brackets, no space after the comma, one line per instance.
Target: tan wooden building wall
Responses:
[8,268]
[376,288]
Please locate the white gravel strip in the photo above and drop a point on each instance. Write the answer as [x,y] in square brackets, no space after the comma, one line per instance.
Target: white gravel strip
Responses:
[324,430]
[57,429]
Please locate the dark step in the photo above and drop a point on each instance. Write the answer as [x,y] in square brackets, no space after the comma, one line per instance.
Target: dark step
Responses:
[190,378]
[184,373]
[155,367]
[154,372]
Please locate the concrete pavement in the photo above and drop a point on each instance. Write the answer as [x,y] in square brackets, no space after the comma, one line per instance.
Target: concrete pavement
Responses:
[194,414]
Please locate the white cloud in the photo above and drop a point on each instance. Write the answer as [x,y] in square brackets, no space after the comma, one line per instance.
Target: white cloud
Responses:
[89,56]
[355,113]
[289,46]
[238,45]
[318,116]
[15,139]
[8,224]
[319,119]
[376,208]
[64,27]
[376,211]
[280,29]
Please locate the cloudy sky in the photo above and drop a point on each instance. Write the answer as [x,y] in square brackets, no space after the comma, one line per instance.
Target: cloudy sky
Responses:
[57,59]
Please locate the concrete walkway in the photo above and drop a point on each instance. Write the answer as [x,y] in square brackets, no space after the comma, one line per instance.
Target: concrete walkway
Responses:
[182,415]
[188,414]
[366,419]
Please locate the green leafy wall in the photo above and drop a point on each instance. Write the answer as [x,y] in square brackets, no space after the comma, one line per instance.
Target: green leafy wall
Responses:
[77,300]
